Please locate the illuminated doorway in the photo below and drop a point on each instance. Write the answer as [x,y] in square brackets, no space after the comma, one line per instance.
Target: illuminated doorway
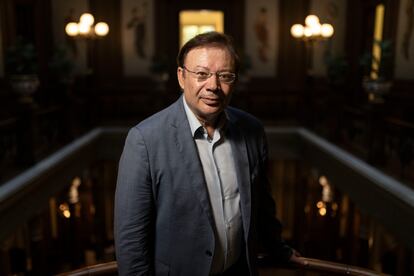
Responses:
[194,22]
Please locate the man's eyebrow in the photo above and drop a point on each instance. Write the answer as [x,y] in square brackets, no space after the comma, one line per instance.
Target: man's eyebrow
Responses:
[202,67]
[208,69]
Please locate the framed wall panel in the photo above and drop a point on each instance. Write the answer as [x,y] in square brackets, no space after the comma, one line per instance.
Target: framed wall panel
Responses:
[137,32]
[404,52]
[261,29]
[1,49]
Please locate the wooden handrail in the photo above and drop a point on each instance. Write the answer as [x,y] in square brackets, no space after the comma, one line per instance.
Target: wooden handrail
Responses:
[314,265]
[110,268]
[337,268]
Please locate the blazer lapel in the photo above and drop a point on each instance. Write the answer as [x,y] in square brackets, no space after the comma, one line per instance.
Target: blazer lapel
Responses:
[191,160]
[241,160]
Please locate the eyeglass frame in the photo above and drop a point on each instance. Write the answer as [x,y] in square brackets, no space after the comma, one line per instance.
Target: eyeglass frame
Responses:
[210,74]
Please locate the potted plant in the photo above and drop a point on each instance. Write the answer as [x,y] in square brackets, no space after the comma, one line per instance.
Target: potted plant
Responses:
[377,79]
[61,67]
[21,67]
[245,67]
[159,68]
[159,71]
[337,68]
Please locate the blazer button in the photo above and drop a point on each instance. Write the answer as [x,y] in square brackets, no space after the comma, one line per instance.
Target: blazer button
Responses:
[208,253]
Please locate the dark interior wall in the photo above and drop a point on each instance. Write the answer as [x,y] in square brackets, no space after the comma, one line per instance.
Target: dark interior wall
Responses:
[140,92]
[107,54]
[292,71]
[267,95]
[31,21]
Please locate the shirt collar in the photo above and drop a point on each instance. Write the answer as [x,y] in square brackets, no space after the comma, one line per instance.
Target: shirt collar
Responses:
[195,123]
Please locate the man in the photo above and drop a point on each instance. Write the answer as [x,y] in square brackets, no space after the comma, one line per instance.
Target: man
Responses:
[191,195]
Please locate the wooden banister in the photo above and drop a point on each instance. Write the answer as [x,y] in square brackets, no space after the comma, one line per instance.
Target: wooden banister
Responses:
[336,268]
[311,265]
[109,268]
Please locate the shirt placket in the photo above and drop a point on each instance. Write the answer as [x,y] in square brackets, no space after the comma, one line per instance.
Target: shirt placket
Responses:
[219,186]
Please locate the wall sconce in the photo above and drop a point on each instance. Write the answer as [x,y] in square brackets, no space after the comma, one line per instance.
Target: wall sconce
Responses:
[85,28]
[311,32]
[313,29]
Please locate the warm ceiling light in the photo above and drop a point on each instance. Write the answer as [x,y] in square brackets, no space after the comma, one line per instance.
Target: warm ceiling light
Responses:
[87,19]
[327,30]
[84,28]
[72,29]
[316,29]
[312,20]
[307,32]
[297,30]
[312,30]
[101,29]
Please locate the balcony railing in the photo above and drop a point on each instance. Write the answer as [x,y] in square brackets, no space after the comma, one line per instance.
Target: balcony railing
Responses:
[313,266]
[22,197]
[368,187]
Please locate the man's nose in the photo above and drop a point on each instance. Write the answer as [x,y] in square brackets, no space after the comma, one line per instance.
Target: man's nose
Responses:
[213,83]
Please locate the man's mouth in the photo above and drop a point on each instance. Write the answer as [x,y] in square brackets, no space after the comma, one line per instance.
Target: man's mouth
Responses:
[210,101]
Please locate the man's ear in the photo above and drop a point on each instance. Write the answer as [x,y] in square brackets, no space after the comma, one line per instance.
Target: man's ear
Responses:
[180,77]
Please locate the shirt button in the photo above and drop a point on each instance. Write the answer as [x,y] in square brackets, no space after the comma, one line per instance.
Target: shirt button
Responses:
[208,253]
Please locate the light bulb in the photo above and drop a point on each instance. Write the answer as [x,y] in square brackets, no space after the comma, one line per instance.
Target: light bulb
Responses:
[87,19]
[307,32]
[84,28]
[327,30]
[316,29]
[72,29]
[101,29]
[297,30]
[311,20]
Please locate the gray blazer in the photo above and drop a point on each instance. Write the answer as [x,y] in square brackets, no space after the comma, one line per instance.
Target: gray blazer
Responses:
[163,218]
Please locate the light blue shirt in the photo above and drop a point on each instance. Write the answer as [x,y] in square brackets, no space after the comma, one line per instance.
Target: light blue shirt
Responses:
[219,171]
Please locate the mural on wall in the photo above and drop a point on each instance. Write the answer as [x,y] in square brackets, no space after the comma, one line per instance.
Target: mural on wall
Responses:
[137,23]
[137,36]
[1,53]
[404,54]
[408,30]
[261,33]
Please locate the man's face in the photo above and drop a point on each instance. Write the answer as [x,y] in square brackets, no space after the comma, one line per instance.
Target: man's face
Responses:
[208,98]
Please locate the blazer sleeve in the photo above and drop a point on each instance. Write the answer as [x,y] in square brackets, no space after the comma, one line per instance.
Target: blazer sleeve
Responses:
[134,209]
[270,228]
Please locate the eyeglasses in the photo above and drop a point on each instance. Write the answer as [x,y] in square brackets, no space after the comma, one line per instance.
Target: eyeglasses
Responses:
[203,75]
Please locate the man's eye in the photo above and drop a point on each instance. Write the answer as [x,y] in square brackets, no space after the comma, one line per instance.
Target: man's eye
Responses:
[201,74]
[226,76]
